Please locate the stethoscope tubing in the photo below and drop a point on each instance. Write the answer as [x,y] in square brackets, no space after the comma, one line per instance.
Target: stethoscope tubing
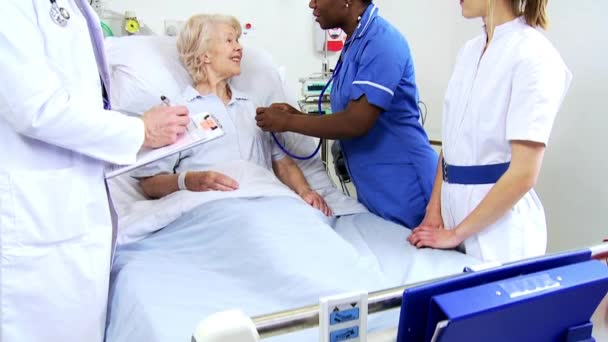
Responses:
[320,102]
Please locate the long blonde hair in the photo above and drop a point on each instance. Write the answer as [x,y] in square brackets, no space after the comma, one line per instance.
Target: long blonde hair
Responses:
[533,11]
[490,27]
[195,40]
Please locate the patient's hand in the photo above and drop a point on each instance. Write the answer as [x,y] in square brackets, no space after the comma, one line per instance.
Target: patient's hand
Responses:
[314,199]
[210,181]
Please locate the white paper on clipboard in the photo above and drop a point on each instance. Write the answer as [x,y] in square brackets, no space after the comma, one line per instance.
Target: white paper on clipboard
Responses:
[203,127]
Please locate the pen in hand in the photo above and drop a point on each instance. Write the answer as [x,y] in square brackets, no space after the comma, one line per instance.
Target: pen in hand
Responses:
[165,100]
[167,103]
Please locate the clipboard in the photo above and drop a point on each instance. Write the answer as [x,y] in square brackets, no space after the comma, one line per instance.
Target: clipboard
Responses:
[203,127]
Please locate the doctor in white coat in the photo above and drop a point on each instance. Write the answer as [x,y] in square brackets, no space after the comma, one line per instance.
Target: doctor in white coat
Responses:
[55,139]
[507,87]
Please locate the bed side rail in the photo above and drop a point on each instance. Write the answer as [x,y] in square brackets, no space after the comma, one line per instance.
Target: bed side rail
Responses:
[308,317]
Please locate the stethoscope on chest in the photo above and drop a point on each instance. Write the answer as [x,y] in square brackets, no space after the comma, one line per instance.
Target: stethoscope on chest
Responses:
[59,15]
[334,74]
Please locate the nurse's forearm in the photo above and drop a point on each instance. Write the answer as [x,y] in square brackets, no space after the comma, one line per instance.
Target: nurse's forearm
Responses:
[520,178]
[335,126]
[160,185]
[356,120]
[435,200]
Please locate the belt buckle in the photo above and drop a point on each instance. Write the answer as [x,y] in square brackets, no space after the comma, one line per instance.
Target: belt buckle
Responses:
[445,171]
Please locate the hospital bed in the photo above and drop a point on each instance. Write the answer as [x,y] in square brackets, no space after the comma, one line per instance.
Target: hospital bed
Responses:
[165,281]
[301,318]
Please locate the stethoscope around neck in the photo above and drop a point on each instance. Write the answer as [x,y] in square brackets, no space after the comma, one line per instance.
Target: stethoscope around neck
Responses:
[59,15]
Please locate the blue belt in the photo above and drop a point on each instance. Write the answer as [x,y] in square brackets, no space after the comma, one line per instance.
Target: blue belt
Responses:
[477,174]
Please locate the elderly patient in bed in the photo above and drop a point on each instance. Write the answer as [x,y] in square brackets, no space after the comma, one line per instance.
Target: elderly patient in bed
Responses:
[284,230]
[209,48]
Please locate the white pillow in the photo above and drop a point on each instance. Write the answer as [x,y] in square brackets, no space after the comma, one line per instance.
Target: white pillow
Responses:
[142,68]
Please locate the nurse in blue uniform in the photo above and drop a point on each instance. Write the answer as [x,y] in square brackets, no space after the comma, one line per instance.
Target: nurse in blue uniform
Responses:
[375,113]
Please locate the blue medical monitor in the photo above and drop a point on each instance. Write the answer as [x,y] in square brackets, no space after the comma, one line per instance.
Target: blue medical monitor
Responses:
[416,303]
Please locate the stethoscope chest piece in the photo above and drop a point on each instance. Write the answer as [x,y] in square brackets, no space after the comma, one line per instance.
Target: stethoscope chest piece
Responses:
[59,15]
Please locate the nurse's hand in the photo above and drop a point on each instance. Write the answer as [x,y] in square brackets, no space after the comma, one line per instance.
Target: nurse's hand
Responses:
[210,181]
[432,219]
[164,125]
[287,108]
[425,236]
[316,201]
[272,119]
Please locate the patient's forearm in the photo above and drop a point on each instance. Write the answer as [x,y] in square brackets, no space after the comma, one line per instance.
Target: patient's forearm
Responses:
[160,185]
[290,174]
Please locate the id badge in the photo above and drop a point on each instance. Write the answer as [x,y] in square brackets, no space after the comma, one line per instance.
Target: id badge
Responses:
[206,122]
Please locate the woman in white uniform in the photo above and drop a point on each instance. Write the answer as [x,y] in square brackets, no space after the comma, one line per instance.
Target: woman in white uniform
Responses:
[55,138]
[501,102]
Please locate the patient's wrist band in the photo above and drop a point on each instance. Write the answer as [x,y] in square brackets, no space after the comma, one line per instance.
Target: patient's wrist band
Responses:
[181,181]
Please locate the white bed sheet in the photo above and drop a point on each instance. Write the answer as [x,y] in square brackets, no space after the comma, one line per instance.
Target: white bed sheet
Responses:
[139,216]
[163,285]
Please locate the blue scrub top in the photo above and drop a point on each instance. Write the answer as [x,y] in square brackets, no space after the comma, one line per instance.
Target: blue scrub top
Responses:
[393,165]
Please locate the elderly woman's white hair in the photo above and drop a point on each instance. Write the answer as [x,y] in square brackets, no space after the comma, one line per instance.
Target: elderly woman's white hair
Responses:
[195,40]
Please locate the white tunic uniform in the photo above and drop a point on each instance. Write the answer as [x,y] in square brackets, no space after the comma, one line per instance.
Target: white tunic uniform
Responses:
[512,92]
[55,226]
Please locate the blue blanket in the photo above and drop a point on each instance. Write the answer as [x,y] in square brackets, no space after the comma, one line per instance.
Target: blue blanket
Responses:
[261,256]
[258,255]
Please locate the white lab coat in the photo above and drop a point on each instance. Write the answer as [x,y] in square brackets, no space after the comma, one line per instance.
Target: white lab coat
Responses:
[513,93]
[55,226]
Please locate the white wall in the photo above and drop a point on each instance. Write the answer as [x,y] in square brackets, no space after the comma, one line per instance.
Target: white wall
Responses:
[572,186]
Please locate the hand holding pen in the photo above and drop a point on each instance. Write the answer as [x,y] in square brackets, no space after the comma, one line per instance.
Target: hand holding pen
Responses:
[164,124]
[165,100]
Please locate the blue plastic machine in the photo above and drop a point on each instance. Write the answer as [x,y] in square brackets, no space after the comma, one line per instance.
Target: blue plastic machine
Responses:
[546,299]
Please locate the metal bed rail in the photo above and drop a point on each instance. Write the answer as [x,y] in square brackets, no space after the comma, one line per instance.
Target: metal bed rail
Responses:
[289,321]
[285,322]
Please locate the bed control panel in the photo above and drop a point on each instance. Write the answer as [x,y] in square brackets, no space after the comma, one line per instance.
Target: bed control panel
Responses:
[343,317]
